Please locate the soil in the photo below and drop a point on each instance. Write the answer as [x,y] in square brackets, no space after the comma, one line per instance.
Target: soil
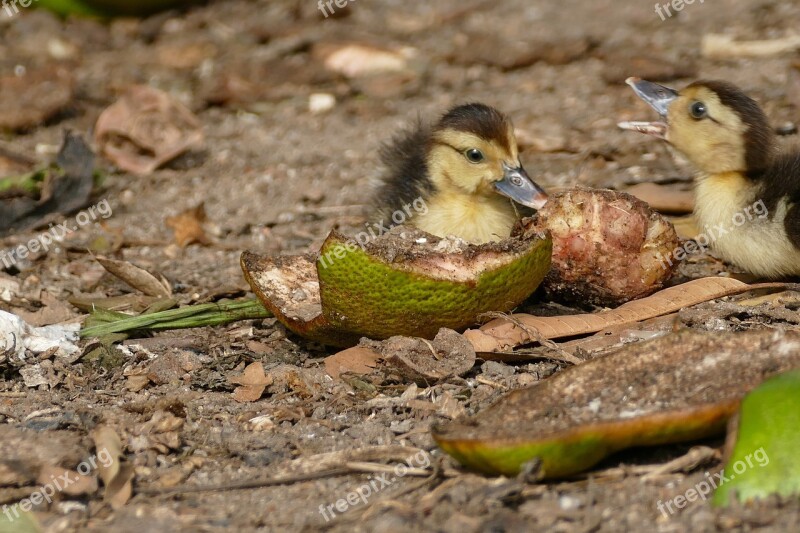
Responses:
[276,177]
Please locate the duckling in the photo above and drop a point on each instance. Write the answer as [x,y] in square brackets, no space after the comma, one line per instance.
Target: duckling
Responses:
[462,173]
[747,193]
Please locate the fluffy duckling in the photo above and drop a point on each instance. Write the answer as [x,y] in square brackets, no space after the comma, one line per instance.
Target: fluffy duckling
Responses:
[464,171]
[747,193]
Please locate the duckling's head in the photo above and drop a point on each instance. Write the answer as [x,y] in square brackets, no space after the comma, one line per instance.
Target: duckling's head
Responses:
[474,151]
[713,123]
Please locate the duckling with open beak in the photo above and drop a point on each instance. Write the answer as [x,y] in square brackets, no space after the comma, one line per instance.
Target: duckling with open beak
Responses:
[747,193]
[465,170]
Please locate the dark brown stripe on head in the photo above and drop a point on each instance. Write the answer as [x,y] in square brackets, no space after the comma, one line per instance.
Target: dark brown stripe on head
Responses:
[759,138]
[486,122]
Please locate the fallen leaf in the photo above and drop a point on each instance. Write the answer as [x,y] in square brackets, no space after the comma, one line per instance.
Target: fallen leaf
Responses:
[145,129]
[29,97]
[65,188]
[356,360]
[253,381]
[622,61]
[138,278]
[188,226]
[53,311]
[503,334]
[448,354]
[77,485]
[664,198]
[116,475]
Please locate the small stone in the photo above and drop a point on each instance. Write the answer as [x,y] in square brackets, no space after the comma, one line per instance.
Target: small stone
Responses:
[321,103]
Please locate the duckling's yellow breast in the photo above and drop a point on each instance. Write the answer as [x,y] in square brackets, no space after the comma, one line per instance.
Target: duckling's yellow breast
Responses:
[475,218]
[740,230]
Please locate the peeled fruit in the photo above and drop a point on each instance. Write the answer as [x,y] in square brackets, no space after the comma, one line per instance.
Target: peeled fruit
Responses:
[608,247]
[677,388]
[406,282]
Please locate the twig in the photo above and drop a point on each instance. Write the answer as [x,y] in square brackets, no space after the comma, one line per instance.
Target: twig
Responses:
[248,484]
[534,335]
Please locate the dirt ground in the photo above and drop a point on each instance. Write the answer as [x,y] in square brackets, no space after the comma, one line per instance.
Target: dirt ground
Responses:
[275,178]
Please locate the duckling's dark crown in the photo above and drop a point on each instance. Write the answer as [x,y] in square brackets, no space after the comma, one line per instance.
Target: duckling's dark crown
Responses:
[479,119]
[759,139]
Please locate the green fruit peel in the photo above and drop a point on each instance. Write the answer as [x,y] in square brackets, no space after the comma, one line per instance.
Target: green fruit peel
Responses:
[405,283]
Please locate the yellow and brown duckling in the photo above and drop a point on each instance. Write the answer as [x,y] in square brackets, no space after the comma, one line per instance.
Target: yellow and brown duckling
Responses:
[459,175]
[747,193]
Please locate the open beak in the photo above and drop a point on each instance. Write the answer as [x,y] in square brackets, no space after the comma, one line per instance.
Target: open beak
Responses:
[517,185]
[659,98]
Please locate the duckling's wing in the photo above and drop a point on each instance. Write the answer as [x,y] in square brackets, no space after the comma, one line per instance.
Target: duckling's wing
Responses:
[782,183]
[405,173]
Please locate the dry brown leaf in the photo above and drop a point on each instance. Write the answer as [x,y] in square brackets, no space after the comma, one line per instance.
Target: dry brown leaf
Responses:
[188,226]
[77,485]
[31,96]
[138,278]
[357,360]
[120,489]
[664,198]
[145,129]
[503,334]
[117,477]
[253,381]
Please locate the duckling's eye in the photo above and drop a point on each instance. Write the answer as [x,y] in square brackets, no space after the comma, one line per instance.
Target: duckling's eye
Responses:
[474,155]
[698,110]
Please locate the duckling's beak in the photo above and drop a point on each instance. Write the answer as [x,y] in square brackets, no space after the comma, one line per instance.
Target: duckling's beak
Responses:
[659,98]
[517,185]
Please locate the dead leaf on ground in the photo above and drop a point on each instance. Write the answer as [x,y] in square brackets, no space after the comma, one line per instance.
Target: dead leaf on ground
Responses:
[29,97]
[116,475]
[253,381]
[621,62]
[505,333]
[511,54]
[664,198]
[77,485]
[64,188]
[188,226]
[356,360]
[145,129]
[162,433]
[448,354]
[138,278]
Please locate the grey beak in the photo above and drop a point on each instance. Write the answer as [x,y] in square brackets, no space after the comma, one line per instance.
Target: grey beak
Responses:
[659,98]
[517,185]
